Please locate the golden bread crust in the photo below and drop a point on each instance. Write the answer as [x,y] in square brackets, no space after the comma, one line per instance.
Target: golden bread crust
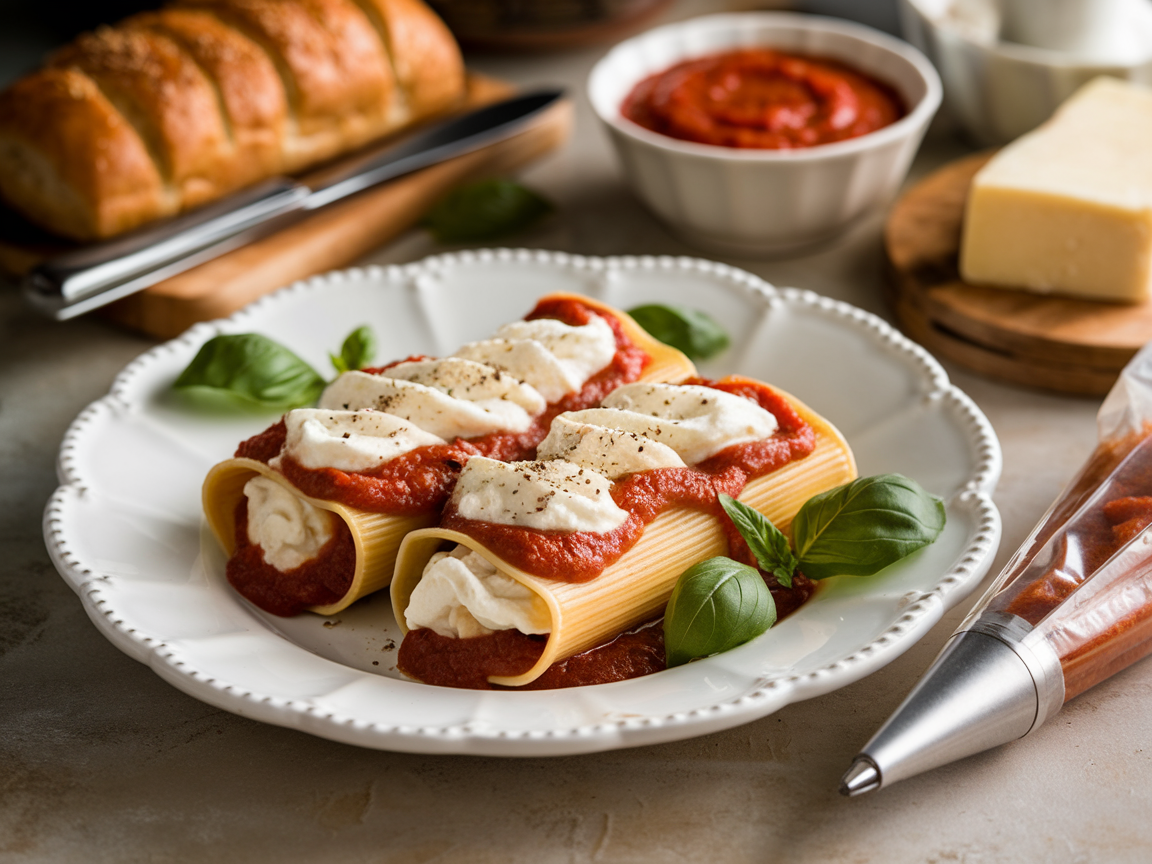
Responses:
[428,66]
[251,94]
[174,108]
[162,92]
[69,160]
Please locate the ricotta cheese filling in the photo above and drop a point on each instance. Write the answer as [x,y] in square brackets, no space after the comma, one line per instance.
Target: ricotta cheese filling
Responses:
[287,528]
[462,595]
[349,440]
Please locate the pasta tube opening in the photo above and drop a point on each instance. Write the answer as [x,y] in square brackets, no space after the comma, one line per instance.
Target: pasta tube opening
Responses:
[359,562]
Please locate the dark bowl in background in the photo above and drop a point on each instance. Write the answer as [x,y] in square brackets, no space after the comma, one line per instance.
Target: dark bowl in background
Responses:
[535,25]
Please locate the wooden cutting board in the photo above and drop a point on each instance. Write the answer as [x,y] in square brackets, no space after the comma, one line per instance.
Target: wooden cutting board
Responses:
[1054,343]
[334,237]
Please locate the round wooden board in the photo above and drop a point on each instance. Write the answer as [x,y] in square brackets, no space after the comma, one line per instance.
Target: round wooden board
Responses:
[1057,343]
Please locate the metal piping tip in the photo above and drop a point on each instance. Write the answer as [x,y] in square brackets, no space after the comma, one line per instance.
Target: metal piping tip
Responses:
[862,777]
[990,685]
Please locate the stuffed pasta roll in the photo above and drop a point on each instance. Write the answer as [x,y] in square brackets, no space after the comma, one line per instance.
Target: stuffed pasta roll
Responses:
[536,562]
[312,510]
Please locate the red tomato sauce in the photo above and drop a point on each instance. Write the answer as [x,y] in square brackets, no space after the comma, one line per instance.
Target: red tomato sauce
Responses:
[578,556]
[1089,535]
[581,556]
[317,582]
[464,663]
[762,99]
[421,481]
[1097,636]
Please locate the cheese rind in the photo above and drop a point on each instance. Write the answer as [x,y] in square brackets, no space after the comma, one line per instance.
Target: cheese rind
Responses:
[1067,209]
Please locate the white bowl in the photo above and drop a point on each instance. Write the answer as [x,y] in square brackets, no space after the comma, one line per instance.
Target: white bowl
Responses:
[765,202]
[998,90]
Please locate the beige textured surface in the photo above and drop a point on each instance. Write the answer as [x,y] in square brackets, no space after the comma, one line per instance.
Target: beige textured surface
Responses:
[102,761]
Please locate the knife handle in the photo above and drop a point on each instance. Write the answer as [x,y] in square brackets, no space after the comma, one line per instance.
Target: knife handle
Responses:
[74,282]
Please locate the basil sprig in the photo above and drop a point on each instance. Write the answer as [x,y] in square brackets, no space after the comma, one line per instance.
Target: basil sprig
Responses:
[261,371]
[860,528]
[356,352]
[253,368]
[485,210]
[716,605]
[767,542]
[694,332]
[853,530]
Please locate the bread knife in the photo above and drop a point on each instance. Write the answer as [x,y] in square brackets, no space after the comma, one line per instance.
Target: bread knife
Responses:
[87,278]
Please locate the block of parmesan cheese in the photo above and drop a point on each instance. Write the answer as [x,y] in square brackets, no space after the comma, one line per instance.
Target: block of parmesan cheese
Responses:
[1067,208]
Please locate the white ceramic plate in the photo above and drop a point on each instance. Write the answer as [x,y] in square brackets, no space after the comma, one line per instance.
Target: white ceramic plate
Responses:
[125,528]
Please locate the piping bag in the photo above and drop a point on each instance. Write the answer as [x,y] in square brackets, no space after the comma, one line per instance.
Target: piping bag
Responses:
[1072,607]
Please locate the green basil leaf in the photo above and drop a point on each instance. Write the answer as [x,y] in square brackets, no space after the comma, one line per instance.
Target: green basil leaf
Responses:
[357,351]
[485,210]
[716,605]
[253,368]
[690,330]
[765,540]
[862,527]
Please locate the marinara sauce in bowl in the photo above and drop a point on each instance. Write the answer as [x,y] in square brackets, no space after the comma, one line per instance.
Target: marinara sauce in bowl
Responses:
[763,99]
[764,133]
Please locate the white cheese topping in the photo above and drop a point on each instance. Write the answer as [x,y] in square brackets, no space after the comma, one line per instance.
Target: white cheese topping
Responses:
[696,422]
[350,440]
[554,357]
[461,595]
[547,496]
[608,451]
[287,528]
[525,359]
[449,398]
[646,426]
[498,385]
[466,379]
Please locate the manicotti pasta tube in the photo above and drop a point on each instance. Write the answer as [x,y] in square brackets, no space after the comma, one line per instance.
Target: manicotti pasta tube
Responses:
[621,500]
[311,512]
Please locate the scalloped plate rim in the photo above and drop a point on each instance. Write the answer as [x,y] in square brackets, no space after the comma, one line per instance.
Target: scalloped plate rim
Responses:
[766,697]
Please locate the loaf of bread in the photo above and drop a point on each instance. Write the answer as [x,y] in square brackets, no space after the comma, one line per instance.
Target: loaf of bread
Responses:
[167,110]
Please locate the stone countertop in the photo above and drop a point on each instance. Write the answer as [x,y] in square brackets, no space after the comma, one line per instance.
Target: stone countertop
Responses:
[101,760]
